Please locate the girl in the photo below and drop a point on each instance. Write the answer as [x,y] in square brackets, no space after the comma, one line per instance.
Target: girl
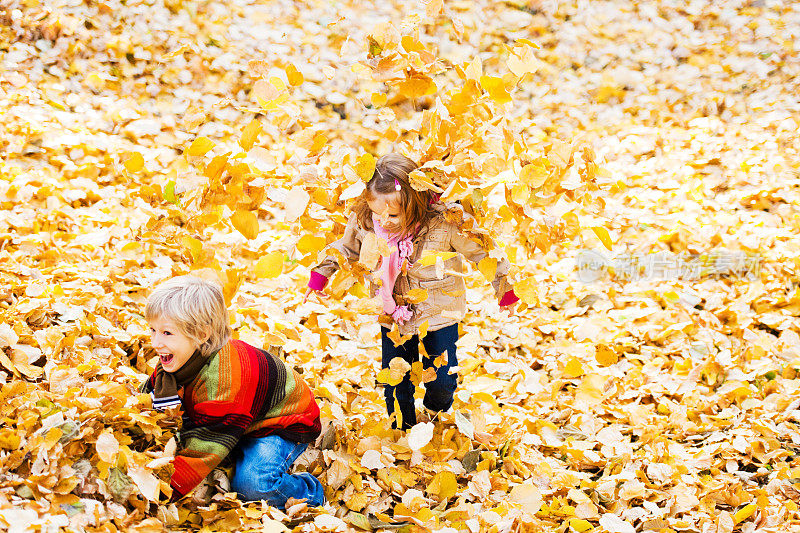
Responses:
[237,400]
[413,222]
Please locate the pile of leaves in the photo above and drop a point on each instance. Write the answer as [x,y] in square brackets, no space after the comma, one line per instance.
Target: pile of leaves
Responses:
[637,162]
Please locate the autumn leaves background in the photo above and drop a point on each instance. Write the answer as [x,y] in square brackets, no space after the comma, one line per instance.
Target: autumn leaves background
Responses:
[145,140]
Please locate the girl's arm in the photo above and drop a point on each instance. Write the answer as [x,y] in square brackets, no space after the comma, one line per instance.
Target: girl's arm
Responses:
[475,252]
[349,246]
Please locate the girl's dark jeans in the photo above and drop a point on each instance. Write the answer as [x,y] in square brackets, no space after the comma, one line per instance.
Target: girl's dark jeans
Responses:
[438,393]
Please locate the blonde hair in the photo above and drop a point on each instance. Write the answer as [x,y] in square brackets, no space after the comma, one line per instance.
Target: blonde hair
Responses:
[196,306]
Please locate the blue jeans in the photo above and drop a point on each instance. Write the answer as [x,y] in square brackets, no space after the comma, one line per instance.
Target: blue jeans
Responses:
[261,473]
[438,393]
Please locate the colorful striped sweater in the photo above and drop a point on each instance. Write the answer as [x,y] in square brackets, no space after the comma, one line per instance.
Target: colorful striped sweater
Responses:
[241,391]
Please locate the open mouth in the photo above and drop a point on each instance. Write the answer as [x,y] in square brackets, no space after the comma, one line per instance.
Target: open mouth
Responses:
[165,358]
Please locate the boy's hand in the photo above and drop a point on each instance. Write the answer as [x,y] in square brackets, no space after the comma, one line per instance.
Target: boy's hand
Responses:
[309,291]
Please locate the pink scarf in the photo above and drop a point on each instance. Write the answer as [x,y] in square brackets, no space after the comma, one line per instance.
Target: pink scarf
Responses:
[390,268]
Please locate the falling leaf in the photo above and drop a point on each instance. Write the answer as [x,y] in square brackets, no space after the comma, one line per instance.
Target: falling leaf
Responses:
[250,134]
[603,235]
[246,222]
[296,202]
[135,162]
[353,191]
[365,166]
[200,146]
[293,75]
[488,267]
[496,89]
[270,265]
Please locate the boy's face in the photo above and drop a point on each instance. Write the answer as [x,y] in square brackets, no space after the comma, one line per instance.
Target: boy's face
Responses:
[173,347]
[387,209]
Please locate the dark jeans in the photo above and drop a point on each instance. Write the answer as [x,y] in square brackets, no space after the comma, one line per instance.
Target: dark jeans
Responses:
[438,393]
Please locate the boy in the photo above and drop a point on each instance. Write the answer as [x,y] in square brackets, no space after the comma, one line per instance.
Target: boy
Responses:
[237,400]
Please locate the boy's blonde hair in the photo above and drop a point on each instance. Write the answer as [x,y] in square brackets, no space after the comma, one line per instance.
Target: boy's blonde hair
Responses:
[196,306]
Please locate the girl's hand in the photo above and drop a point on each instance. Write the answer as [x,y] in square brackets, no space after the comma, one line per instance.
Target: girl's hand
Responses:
[308,292]
[510,308]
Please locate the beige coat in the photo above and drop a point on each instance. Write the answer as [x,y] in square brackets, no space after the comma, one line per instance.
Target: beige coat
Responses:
[452,230]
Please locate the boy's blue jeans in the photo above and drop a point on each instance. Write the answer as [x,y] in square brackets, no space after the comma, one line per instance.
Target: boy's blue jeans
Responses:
[261,473]
[438,393]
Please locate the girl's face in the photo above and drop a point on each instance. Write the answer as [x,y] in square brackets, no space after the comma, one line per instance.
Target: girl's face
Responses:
[387,208]
[173,347]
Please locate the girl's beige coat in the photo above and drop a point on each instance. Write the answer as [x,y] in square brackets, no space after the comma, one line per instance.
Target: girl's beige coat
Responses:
[451,230]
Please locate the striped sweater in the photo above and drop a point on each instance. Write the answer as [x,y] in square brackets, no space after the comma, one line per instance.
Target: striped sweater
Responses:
[241,391]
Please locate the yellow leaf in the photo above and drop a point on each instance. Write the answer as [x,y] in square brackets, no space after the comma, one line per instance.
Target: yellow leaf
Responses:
[534,175]
[527,291]
[135,162]
[246,222]
[579,526]
[520,193]
[416,296]
[572,225]
[528,42]
[195,247]
[671,296]
[378,99]
[605,356]
[573,369]
[602,234]
[496,89]
[265,91]
[474,70]
[416,86]
[200,146]
[392,376]
[311,243]
[9,440]
[488,267]
[365,167]
[443,485]
[522,61]
[216,167]
[277,83]
[384,376]
[270,266]
[428,258]
[420,181]
[744,513]
[293,75]
[250,134]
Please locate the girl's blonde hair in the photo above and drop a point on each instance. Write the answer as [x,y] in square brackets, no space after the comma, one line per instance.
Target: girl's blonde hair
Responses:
[391,177]
[196,306]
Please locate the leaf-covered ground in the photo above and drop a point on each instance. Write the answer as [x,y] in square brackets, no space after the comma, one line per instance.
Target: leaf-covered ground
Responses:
[649,387]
